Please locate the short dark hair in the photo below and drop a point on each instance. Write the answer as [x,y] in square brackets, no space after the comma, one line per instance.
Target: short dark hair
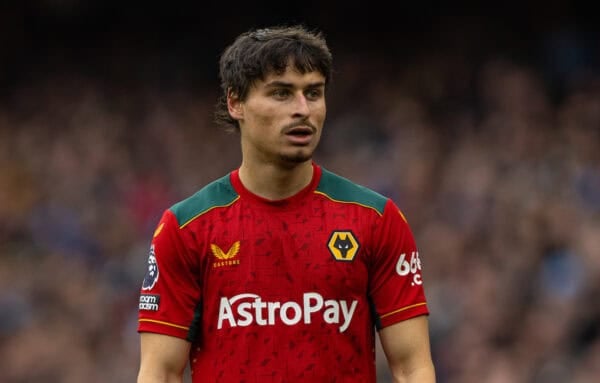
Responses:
[256,53]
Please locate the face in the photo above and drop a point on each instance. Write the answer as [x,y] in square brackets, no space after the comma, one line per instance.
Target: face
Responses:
[282,117]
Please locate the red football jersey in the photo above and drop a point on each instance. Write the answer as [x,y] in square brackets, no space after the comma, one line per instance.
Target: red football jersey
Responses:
[281,291]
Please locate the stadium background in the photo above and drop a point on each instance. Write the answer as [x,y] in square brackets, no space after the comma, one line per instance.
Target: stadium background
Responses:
[482,122]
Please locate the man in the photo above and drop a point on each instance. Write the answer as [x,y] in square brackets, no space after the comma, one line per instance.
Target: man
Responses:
[281,270]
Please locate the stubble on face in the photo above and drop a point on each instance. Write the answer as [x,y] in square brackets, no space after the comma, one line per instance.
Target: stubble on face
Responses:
[302,154]
[296,158]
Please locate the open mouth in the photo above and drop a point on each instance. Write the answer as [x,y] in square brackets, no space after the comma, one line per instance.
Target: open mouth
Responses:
[300,131]
[300,135]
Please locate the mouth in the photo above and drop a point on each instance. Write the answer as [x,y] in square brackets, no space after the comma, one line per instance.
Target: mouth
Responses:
[300,131]
[301,134]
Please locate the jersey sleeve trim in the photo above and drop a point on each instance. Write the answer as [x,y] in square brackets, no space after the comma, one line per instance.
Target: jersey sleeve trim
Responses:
[165,323]
[217,194]
[402,309]
[181,226]
[400,315]
[350,202]
[342,190]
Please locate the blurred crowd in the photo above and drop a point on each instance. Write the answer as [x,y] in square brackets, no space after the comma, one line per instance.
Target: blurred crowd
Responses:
[497,173]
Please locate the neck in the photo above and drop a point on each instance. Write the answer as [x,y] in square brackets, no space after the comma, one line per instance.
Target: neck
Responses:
[274,182]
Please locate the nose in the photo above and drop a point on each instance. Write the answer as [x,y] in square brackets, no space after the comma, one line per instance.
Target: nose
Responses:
[301,107]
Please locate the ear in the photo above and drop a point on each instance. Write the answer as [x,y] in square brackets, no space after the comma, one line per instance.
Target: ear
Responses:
[234,106]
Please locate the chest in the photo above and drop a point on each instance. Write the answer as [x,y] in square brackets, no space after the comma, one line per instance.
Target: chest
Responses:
[286,253]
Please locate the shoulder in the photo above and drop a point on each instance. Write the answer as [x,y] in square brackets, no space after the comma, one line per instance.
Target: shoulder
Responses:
[219,193]
[340,189]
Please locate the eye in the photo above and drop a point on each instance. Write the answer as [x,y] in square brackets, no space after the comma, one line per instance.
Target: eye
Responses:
[314,94]
[280,93]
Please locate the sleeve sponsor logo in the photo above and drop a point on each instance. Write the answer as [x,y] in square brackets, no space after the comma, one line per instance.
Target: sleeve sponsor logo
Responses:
[251,310]
[152,273]
[225,258]
[149,302]
[410,266]
[343,245]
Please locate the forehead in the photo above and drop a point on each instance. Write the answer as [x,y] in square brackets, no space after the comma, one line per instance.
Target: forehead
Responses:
[292,76]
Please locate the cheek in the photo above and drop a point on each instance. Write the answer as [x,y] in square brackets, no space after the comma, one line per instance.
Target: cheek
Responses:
[319,115]
[261,113]
[255,118]
[261,127]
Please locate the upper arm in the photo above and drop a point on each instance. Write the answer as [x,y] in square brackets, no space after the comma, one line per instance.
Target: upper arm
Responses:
[395,283]
[407,349]
[163,358]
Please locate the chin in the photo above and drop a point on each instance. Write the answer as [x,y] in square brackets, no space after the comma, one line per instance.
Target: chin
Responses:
[296,158]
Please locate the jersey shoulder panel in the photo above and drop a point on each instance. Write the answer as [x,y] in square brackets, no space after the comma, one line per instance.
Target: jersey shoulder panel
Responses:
[219,193]
[340,189]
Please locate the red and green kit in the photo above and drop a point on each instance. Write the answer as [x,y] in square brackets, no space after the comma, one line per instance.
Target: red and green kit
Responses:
[281,291]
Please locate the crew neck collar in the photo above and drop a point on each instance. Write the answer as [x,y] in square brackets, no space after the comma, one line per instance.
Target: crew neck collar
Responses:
[292,200]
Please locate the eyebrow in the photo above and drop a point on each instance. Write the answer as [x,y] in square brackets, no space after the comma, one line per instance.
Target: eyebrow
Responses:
[283,84]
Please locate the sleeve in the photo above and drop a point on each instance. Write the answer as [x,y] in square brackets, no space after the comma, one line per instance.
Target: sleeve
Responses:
[170,292]
[395,282]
